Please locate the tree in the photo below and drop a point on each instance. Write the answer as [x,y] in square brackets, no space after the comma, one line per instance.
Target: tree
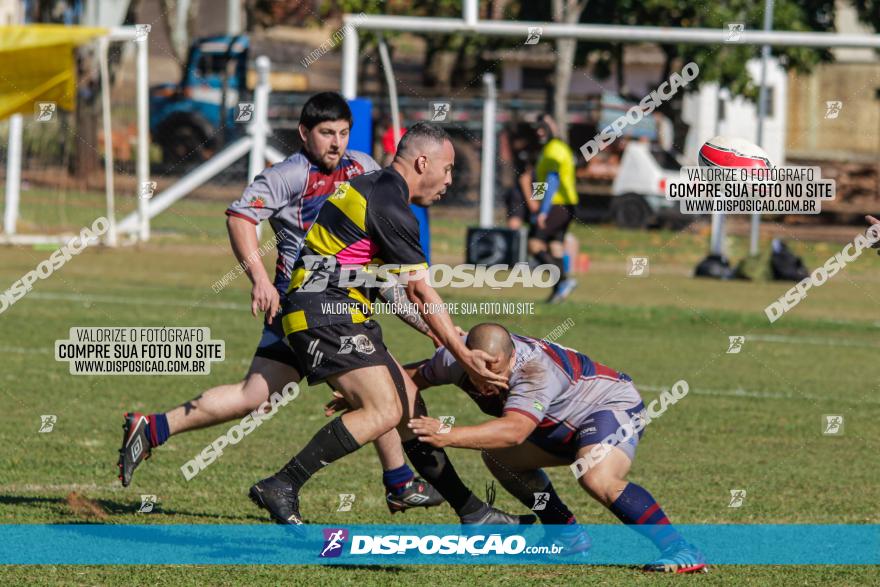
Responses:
[448,58]
[725,63]
[869,12]
[567,12]
[179,18]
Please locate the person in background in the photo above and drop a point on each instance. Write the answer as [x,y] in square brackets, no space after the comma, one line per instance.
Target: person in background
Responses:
[555,168]
[389,141]
[518,199]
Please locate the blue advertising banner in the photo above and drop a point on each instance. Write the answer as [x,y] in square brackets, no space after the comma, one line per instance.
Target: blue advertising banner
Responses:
[739,544]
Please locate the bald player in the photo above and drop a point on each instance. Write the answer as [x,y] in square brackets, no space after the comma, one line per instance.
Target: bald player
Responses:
[328,324]
[559,406]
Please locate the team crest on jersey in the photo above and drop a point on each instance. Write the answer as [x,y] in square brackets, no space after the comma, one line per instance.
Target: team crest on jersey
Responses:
[359,343]
[258,202]
[340,191]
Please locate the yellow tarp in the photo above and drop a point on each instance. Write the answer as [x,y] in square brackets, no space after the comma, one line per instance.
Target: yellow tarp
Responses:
[37,65]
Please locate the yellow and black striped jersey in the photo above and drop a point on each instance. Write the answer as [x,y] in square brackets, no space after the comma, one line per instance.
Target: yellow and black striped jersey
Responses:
[366,221]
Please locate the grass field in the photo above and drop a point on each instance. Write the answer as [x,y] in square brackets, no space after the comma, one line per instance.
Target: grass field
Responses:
[752,420]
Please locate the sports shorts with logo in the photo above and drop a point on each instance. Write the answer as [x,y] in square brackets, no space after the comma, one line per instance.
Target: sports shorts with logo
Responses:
[330,350]
[565,440]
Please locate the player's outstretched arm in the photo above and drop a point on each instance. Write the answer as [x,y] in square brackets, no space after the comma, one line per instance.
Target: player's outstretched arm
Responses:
[245,247]
[511,429]
[430,305]
[414,370]
[395,294]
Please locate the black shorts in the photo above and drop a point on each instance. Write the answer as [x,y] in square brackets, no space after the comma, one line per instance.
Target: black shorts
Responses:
[516,204]
[272,344]
[331,350]
[555,226]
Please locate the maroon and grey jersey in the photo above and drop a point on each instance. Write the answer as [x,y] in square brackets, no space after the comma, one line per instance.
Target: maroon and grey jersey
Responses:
[289,195]
[551,384]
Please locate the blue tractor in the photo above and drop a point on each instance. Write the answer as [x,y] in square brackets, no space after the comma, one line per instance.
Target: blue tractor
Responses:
[186,119]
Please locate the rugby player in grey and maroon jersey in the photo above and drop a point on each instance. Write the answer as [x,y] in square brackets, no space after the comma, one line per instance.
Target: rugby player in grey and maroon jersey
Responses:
[559,407]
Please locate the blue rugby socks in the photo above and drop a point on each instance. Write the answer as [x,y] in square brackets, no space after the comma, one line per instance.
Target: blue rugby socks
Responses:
[395,480]
[636,507]
[157,429]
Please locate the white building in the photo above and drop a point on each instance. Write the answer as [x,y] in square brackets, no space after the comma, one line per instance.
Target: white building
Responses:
[709,112]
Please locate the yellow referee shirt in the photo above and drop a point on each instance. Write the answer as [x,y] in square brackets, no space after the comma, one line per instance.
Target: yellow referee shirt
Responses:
[557,157]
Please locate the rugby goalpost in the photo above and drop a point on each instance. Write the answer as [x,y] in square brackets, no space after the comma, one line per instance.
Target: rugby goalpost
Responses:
[471,23]
[10,234]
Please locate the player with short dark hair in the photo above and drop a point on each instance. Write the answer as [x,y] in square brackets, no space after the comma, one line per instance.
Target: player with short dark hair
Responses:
[559,407]
[324,107]
[287,195]
[327,320]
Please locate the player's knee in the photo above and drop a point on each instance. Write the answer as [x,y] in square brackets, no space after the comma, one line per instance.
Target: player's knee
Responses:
[392,417]
[253,391]
[385,419]
[601,486]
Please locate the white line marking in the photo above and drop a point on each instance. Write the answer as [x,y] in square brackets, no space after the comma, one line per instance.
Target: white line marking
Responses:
[810,340]
[68,297]
[23,350]
[746,393]
[14,488]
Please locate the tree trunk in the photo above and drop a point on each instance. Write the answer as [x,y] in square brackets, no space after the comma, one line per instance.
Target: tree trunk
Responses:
[180,33]
[431,50]
[565,51]
[85,156]
[619,71]
[569,12]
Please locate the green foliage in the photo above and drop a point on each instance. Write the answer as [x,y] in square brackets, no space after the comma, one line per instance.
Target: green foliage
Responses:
[722,62]
[869,12]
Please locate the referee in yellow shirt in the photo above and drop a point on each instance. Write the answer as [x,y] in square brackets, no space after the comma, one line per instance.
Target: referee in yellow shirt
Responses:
[555,167]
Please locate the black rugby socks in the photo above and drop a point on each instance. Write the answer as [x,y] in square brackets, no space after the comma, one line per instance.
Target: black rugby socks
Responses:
[331,443]
[434,466]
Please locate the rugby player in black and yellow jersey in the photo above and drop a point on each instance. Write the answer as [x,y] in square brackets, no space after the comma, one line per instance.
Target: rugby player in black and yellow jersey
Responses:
[327,322]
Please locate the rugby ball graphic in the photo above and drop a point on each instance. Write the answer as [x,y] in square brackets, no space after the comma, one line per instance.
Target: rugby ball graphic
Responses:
[724,151]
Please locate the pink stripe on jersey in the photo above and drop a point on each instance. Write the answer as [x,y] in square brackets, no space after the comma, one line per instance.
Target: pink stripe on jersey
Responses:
[358,253]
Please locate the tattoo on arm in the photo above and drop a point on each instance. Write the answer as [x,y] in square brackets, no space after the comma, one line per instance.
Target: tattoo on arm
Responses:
[394,294]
